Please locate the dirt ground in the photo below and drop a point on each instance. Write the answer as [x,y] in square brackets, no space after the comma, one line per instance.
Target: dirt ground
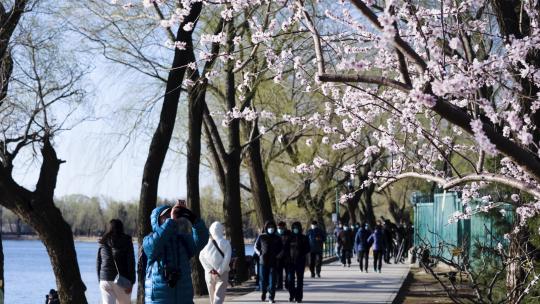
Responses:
[421,288]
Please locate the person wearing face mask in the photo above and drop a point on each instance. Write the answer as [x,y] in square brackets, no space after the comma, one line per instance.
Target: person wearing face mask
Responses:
[269,247]
[346,240]
[285,234]
[297,250]
[215,258]
[379,245]
[317,238]
[169,249]
[362,246]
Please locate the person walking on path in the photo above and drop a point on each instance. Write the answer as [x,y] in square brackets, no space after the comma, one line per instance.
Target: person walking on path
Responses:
[316,237]
[337,231]
[298,248]
[215,258]
[169,249]
[116,259]
[269,248]
[378,241]
[346,240]
[284,234]
[362,246]
[388,232]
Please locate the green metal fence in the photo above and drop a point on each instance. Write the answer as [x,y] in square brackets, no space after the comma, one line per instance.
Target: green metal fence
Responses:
[432,227]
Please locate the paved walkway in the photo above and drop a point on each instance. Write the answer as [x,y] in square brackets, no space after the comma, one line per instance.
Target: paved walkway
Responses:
[344,285]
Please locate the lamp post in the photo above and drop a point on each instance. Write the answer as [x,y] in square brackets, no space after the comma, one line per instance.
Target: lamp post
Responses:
[337,202]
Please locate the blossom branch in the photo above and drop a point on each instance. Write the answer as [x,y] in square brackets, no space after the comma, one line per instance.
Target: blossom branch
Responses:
[449,184]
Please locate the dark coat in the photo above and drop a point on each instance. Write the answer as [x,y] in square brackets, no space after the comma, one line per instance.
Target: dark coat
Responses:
[316,237]
[361,239]
[346,239]
[298,247]
[377,239]
[118,249]
[269,247]
[284,258]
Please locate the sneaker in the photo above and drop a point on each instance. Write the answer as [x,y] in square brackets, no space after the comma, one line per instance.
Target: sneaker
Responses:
[291,299]
[312,275]
[271,301]
[361,270]
[319,275]
[298,301]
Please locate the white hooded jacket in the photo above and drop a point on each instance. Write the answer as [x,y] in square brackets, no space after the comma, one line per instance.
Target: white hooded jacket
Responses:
[210,257]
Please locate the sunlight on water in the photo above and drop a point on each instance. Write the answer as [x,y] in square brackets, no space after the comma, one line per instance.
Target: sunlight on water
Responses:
[29,276]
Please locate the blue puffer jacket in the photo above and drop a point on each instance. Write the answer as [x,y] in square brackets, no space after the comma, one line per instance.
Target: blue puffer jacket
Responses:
[361,239]
[165,243]
[377,239]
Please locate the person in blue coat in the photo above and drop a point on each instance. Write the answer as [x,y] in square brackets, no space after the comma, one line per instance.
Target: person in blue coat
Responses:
[316,237]
[377,239]
[361,246]
[169,249]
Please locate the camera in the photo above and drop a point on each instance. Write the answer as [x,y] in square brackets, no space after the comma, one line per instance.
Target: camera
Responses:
[171,275]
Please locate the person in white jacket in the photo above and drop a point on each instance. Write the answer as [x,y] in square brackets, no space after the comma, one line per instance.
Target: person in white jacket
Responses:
[215,258]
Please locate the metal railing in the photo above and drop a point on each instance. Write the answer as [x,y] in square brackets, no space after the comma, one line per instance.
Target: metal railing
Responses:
[329,249]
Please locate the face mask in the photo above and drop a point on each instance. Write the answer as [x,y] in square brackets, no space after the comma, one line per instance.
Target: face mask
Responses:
[296,230]
[340,226]
[270,230]
[280,230]
[346,228]
[313,226]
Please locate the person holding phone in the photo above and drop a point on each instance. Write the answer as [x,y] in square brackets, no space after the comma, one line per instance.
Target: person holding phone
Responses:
[177,235]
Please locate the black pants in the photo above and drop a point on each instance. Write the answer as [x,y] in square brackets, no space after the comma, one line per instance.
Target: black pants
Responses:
[268,280]
[280,268]
[346,255]
[363,257]
[315,263]
[388,254]
[295,280]
[377,259]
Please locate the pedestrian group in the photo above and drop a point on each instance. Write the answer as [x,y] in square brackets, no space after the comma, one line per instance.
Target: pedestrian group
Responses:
[281,255]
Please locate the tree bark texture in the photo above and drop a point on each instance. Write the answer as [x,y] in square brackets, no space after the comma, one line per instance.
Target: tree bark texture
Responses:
[259,189]
[163,133]
[232,204]
[38,210]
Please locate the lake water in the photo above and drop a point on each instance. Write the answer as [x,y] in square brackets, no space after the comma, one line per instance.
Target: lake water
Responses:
[29,275]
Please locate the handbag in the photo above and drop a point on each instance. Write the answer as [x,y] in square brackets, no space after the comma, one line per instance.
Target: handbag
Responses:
[120,280]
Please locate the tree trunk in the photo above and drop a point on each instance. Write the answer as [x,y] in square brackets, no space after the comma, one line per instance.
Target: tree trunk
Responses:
[38,210]
[196,102]
[163,134]
[369,214]
[515,275]
[261,196]
[232,205]
[57,237]
[2,282]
